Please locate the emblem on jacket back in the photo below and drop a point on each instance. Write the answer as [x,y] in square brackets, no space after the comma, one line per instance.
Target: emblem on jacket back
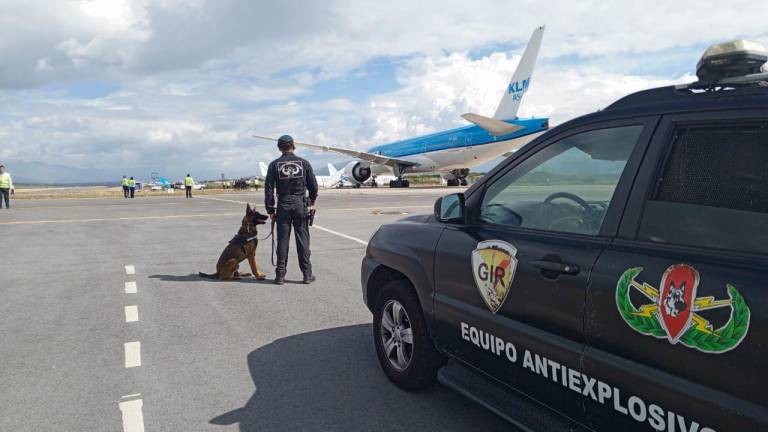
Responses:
[290,170]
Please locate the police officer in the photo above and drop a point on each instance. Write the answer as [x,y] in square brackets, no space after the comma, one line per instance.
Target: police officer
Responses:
[293,177]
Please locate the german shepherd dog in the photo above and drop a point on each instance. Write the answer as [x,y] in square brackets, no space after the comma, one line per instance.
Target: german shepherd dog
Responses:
[242,246]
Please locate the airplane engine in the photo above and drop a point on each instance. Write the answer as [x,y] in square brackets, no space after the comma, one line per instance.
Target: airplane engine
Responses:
[360,171]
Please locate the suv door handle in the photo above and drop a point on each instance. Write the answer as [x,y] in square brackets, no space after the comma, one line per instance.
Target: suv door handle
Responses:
[556,267]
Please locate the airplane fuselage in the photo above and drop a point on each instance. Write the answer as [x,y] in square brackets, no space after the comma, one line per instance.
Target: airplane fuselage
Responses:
[453,149]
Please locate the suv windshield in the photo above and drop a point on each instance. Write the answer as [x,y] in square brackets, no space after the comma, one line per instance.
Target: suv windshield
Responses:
[567,186]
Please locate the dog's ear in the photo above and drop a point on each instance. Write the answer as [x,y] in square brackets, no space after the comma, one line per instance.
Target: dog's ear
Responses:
[248,209]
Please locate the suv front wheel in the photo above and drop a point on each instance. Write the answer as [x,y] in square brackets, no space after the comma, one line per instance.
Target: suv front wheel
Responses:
[405,351]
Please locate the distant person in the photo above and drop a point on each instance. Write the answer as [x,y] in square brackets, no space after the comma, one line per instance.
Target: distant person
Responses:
[126,189]
[132,186]
[6,187]
[188,183]
[292,177]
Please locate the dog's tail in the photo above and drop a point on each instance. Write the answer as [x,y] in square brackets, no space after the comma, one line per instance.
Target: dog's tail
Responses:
[208,276]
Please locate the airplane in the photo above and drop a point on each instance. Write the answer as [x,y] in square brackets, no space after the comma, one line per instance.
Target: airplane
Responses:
[453,152]
[333,179]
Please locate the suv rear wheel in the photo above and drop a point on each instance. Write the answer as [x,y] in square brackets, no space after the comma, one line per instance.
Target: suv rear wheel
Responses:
[404,348]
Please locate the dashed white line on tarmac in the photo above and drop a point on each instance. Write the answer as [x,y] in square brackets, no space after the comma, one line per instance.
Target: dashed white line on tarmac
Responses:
[133,418]
[129,270]
[132,354]
[131,313]
[130,288]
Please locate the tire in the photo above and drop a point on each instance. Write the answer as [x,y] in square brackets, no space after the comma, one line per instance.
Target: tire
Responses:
[453,182]
[418,370]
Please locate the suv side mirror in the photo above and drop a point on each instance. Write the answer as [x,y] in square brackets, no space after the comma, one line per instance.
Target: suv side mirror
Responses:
[450,208]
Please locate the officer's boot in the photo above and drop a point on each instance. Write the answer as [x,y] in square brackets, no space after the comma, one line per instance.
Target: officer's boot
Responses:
[279,279]
[309,278]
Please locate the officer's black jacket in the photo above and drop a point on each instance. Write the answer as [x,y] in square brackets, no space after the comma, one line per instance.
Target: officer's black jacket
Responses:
[290,175]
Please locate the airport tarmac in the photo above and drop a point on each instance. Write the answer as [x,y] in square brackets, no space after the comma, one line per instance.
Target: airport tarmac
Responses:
[106,326]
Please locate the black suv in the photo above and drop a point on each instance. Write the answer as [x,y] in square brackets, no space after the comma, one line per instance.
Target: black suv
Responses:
[610,275]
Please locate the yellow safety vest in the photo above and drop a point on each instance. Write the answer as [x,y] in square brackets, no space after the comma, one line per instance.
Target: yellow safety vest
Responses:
[188,181]
[5,180]
[131,183]
[125,182]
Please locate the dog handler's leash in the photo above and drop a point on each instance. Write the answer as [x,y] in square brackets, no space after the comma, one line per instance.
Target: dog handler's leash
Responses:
[272,234]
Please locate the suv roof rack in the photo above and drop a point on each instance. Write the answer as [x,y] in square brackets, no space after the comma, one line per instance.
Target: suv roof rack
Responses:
[760,79]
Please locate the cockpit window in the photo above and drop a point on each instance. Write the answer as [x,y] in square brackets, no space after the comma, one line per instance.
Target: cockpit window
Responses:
[566,186]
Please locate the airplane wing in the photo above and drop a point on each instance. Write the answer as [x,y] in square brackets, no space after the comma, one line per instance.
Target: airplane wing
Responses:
[365,156]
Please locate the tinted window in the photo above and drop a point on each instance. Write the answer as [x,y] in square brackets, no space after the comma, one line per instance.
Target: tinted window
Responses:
[565,187]
[713,191]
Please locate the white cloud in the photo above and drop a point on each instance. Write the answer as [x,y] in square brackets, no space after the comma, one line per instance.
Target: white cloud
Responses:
[195,78]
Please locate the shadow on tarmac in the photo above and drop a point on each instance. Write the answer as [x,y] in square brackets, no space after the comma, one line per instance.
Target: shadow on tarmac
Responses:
[330,380]
[192,277]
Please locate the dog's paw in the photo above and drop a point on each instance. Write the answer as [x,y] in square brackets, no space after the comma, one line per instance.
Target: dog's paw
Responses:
[261,276]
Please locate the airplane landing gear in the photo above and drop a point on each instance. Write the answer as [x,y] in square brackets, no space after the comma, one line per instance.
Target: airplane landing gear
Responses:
[457,182]
[459,177]
[399,183]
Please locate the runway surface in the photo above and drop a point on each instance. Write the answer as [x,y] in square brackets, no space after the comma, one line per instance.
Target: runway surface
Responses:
[106,326]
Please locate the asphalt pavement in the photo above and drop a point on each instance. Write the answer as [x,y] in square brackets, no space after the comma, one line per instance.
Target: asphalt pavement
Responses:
[106,327]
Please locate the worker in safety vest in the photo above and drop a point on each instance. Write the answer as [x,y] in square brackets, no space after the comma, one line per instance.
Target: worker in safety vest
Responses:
[132,186]
[126,190]
[188,183]
[6,187]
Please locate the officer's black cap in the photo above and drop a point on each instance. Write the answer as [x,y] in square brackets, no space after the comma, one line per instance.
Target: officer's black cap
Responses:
[285,143]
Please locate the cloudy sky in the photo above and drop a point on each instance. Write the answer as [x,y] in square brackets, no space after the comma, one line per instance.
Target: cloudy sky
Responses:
[94,89]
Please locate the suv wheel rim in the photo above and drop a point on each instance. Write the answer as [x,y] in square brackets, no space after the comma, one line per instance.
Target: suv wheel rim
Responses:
[396,335]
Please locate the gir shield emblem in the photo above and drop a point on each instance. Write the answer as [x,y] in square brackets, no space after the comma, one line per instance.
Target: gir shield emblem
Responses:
[493,264]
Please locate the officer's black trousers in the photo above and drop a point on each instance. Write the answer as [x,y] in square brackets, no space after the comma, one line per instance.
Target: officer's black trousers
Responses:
[189,191]
[292,211]
[133,191]
[125,191]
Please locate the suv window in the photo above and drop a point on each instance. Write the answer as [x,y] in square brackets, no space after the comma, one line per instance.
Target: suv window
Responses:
[565,187]
[713,190]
